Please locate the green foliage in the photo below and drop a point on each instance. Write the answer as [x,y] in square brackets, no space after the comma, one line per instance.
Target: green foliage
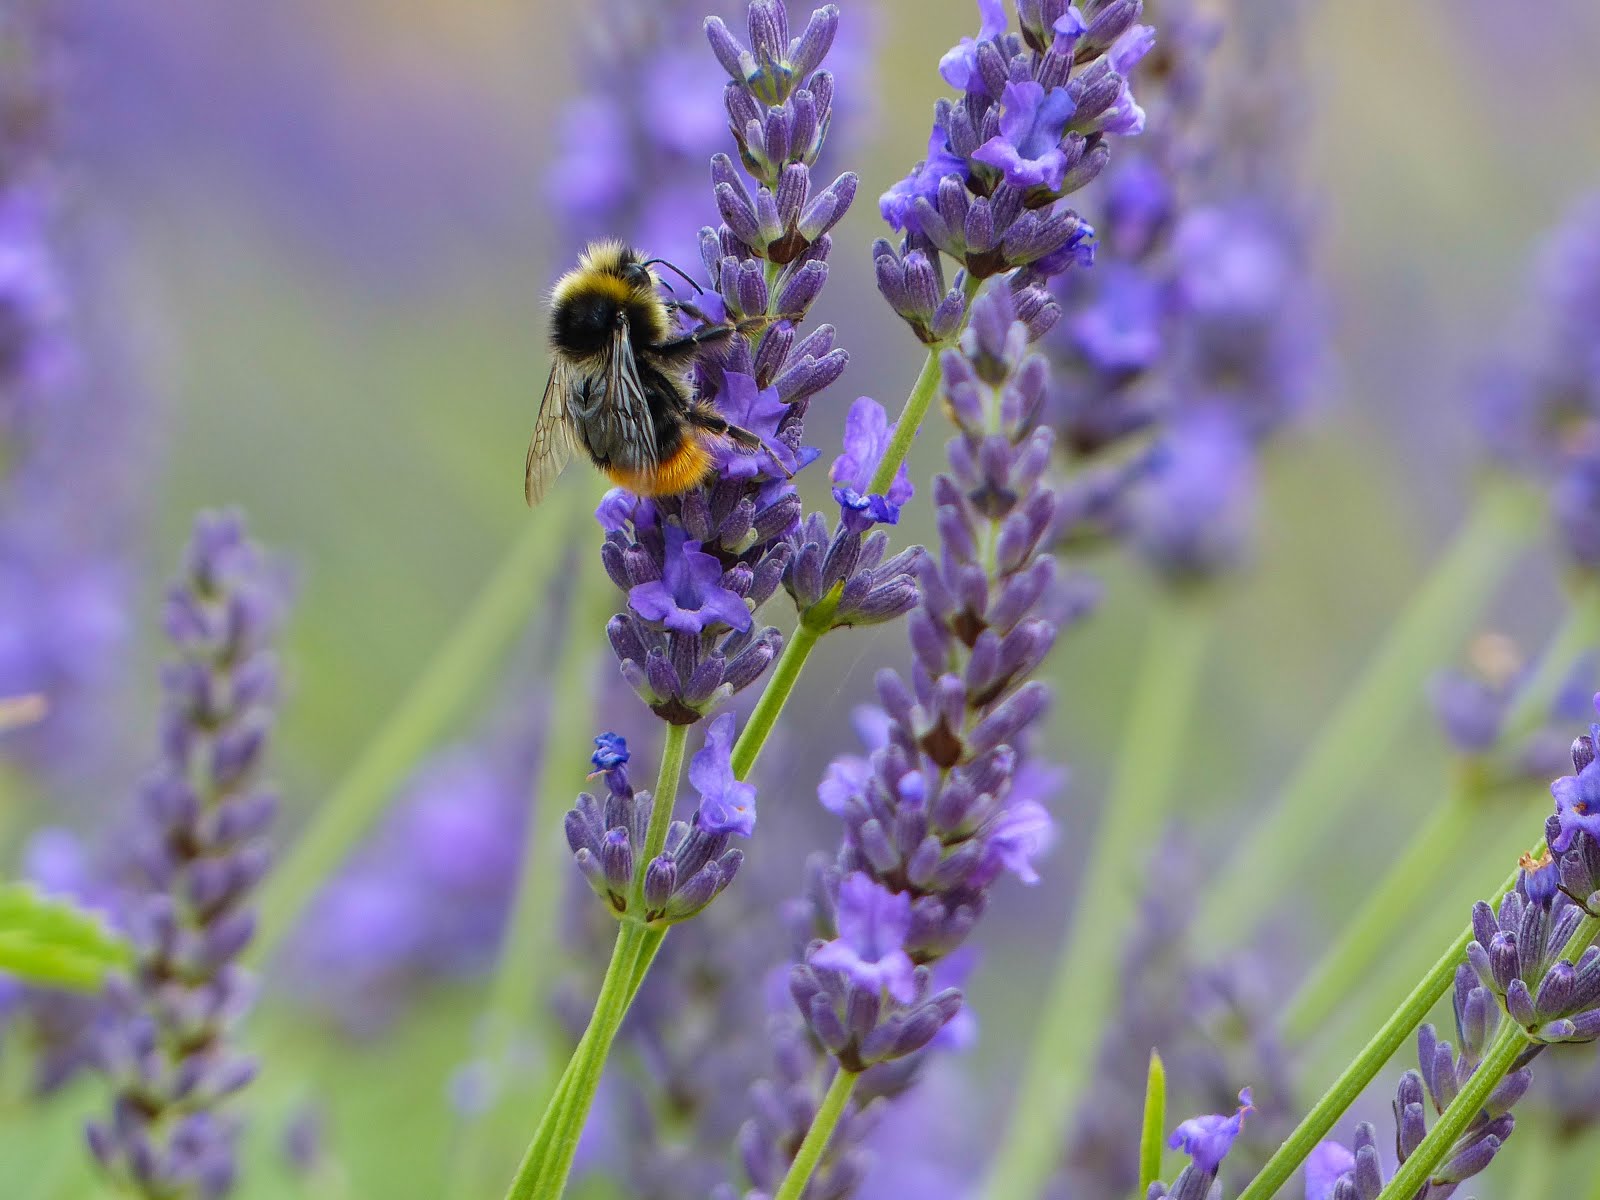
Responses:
[54,942]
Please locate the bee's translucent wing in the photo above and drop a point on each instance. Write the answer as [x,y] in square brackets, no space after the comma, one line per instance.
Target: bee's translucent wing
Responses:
[632,425]
[551,445]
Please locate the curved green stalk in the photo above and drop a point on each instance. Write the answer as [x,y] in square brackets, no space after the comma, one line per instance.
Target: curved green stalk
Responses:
[1509,1043]
[816,1140]
[548,1161]
[530,948]
[1344,1090]
[1371,717]
[452,677]
[1082,996]
[774,696]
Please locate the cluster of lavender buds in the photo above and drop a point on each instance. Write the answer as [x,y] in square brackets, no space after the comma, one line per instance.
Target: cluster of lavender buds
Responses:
[1541,414]
[200,847]
[608,836]
[1338,1172]
[943,806]
[1207,1141]
[1474,708]
[696,566]
[1029,128]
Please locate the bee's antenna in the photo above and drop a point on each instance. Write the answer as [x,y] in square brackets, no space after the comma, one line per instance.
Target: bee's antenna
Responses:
[678,271]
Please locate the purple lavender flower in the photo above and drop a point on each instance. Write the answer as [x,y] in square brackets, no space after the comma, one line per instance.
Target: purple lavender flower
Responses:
[873,926]
[1029,129]
[1336,1173]
[608,836]
[938,811]
[690,595]
[71,444]
[696,566]
[1196,317]
[866,438]
[201,849]
[1540,412]
[1207,1141]
[726,805]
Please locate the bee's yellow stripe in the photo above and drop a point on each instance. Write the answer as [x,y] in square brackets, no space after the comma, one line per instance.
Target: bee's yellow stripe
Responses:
[686,468]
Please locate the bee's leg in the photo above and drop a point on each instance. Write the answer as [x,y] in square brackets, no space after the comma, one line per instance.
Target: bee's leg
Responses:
[687,347]
[704,416]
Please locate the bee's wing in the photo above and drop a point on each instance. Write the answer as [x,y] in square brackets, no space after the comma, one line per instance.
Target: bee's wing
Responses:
[551,445]
[633,425]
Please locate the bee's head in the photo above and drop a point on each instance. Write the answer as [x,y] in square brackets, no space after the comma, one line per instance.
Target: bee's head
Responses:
[612,285]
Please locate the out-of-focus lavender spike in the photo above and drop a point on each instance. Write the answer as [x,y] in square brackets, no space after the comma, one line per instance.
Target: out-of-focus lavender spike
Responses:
[1196,334]
[73,433]
[167,1047]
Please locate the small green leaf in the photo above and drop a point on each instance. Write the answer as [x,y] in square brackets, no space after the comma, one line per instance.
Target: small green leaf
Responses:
[1155,1125]
[54,942]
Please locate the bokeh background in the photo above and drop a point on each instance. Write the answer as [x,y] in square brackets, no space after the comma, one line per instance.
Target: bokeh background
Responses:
[323,234]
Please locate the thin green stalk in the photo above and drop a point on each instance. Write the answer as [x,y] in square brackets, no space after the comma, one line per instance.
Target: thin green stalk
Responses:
[1083,994]
[1371,717]
[662,802]
[530,948]
[1152,1136]
[548,1161]
[1371,934]
[452,677]
[1510,1042]
[773,697]
[1366,1065]
[1508,1045]
[816,1141]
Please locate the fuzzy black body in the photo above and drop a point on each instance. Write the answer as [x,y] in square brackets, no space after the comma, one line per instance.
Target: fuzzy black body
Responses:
[620,388]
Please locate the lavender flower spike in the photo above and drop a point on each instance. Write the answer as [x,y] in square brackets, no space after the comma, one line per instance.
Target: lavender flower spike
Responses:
[944,806]
[200,847]
[608,836]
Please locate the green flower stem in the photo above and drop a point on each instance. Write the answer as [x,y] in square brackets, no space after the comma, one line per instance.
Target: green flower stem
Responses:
[663,800]
[818,619]
[816,1141]
[1510,1042]
[453,676]
[530,948]
[1082,997]
[548,1162]
[774,696]
[1371,934]
[1355,1078]
[1372,715]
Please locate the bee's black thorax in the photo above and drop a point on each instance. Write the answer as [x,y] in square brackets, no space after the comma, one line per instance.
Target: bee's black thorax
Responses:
[584,324]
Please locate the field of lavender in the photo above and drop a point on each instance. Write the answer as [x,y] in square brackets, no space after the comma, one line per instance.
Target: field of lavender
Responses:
[1124,726]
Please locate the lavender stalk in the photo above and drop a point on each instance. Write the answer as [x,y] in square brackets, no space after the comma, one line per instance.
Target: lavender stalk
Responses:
[201,849]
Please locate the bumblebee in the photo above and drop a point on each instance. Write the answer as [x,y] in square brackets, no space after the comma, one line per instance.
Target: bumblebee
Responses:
[619,388]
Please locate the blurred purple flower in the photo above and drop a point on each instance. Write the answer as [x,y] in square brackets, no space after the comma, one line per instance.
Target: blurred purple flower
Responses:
[873,925]
[726,805]
[1208,1139]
